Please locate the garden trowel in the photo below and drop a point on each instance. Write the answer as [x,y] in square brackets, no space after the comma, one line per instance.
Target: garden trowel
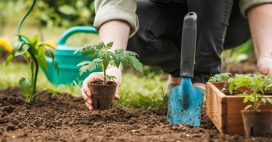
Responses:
[185,100]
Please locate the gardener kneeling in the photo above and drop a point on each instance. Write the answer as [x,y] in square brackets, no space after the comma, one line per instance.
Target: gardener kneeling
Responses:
[155,28]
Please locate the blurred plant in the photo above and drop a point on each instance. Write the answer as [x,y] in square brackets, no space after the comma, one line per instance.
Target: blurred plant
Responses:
[64,13]
[34,49]
[8,9]
[220,78]
[268,83]
[238,54]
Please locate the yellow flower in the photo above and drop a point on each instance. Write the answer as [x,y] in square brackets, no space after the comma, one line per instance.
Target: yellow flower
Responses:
[4,43]
[51,43]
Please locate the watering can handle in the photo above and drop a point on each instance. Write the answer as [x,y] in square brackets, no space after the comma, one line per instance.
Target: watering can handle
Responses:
[74,30]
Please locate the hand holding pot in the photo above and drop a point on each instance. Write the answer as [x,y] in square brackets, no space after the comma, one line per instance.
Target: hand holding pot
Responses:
[86,92]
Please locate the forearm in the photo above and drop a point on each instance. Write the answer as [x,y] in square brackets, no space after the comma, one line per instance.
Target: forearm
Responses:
[115,31]
[260,21]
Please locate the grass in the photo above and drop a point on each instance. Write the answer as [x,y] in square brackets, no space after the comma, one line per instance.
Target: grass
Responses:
[141,91]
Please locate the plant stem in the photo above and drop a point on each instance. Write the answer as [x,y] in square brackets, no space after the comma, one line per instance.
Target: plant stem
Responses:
[23,19]
[255,100]
[34,81]
[105,76]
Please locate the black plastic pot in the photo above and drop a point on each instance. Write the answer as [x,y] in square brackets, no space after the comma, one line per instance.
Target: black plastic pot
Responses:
[257,123]
[103,94]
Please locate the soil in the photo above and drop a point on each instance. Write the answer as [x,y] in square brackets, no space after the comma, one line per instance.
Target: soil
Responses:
[18,59]
[65,118]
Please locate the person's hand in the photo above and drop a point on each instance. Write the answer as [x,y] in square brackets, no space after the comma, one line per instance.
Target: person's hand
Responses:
[86,92]
[265,65]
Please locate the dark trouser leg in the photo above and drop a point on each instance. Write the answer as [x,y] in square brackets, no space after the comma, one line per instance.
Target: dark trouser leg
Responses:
[158,39]
[213,17]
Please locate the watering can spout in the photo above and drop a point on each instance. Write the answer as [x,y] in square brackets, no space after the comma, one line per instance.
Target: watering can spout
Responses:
[67,60]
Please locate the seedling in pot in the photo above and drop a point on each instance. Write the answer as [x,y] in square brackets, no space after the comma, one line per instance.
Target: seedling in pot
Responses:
[102,57]
[254,96]
[257,122]
[35,52]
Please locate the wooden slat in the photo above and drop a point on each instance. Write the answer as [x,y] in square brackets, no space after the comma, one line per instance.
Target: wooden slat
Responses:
[214,107]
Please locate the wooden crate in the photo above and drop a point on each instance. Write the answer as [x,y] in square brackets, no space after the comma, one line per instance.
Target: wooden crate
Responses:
[225,111]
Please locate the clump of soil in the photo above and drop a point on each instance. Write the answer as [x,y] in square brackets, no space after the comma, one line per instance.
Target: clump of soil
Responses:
[65,118]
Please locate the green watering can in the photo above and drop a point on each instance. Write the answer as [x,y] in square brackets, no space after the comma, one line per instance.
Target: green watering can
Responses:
[67,60]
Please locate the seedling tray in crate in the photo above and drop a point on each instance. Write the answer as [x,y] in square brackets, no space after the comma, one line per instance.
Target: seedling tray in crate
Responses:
[225,110]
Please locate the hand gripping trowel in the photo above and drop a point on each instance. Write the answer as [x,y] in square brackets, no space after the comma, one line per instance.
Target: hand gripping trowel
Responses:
[185,100]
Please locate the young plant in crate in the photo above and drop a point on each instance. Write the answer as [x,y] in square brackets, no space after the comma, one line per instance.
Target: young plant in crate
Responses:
[257,122]
[102,57]
[35,52]
[221,81]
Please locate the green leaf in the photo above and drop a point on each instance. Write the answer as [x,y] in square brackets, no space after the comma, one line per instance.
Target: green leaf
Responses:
[251,98]
[110,77]
[263,100]
[83,63]
[136,64]
[231,87]
[20,48]
[88,50]
[9,58]
[34,41]
[87,66]
[24,39]
[41,58]
[269,100]
[67,10]
[246,99]
[25,86]
[109,45]
[56,66]
[116,59]
[100,45]
[83,69]
[106,60]
[33,50]
[42,62]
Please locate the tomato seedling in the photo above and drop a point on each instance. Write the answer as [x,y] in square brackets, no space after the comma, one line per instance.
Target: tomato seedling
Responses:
[256,85]
[102,57]
[220,78]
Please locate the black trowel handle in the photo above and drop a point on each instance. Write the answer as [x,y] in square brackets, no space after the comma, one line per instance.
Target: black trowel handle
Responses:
[188,45]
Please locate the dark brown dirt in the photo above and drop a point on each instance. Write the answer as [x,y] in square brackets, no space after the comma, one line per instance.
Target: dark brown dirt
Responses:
[65,118]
